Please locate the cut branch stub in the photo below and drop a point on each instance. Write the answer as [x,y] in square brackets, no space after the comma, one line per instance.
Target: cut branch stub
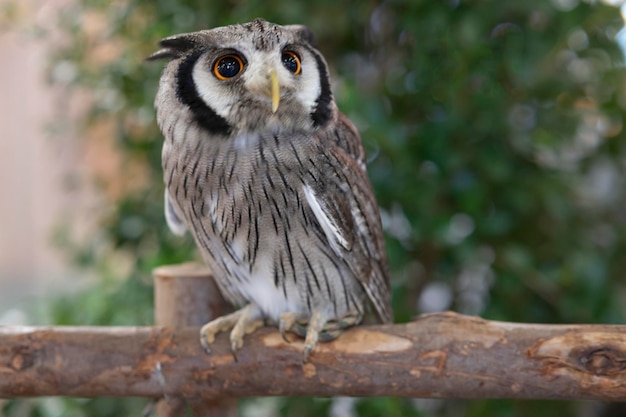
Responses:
[186,295]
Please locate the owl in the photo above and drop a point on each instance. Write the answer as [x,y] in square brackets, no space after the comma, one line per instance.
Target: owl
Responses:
[270,180]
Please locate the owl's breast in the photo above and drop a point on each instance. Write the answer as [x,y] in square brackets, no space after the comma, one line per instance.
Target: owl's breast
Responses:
[246,207]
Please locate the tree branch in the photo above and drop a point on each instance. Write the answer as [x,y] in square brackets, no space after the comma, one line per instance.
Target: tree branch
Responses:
[442,355]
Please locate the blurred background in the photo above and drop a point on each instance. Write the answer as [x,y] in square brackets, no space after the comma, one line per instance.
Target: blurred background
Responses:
[497,149]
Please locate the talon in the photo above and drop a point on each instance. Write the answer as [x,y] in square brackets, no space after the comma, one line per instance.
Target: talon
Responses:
[319,329]
[316,324]
[212,328]
[283,334]
[286,323]
[244,326]
[205,335]
[329,334]
[307,352]
[205,345]
[234,348]
[283,328]
[242,322]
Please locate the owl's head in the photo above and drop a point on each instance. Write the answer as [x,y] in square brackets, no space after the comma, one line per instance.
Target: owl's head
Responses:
[244,78]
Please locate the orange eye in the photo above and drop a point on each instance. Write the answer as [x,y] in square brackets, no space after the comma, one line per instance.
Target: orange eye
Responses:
[291,61]
[227,67]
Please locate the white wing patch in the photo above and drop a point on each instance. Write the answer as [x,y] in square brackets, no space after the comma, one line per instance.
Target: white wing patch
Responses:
[329,226]
[173,220]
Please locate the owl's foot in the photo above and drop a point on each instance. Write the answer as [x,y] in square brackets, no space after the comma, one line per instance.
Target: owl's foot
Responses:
[242,322]
[286,323]
[317,328]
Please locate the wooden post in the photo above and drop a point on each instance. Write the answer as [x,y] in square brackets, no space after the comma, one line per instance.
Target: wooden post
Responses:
[186,295]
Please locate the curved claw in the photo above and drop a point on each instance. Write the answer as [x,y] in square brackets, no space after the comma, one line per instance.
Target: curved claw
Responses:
[319,329]
[316,325]
[307,352]
[233,349]
[244,326]
[241,322]
[286,323]
[333,328]
[212,328]
[283,333]
[205,345]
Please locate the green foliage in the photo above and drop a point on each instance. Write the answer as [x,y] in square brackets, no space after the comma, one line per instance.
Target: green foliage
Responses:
[496,133]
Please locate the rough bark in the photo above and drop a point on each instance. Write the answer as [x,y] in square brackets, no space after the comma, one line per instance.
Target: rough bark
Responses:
[442,355]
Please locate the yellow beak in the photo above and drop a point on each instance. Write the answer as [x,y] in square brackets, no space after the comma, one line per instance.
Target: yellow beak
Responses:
[275,90]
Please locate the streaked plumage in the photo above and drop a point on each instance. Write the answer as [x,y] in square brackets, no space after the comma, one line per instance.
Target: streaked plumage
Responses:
[269,178]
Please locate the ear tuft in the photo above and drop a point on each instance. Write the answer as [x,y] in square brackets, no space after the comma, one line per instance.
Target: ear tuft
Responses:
[174,47]
[304,33]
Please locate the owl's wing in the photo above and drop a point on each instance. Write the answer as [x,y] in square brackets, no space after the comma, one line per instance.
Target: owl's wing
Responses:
[173,219]
[347,137]
[344,206]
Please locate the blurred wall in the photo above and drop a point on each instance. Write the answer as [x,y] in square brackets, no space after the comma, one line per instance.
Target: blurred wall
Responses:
[34,165]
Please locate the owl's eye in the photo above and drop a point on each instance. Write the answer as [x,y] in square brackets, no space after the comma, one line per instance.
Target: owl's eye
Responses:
[227,67]
[291,61]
